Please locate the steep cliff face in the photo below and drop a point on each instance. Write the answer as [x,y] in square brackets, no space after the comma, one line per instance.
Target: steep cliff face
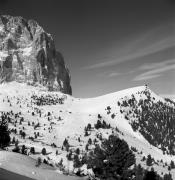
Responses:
[28,54]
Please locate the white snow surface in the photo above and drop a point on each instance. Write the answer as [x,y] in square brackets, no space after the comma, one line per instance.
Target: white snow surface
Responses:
[1,28]
[75,114]
[3,55]
[26,51]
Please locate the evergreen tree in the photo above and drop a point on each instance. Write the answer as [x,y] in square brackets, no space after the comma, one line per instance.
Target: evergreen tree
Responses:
[87,147]
[98,125]
[172,164]
[32,150]
[89,127]
[77,162]
[65,142]
[139,172]
[45,161]
[38,162]
[150,175]
[86,133]
[13,140]
[16,149]
[23,149]
[90,141]
[108,109]
[77,151]
[69,156]
[112,159]
[99,116]
[4,133]
[149,160]
[167,177]
[43,151]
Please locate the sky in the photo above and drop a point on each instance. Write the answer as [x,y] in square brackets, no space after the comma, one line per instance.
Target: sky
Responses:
[109,45]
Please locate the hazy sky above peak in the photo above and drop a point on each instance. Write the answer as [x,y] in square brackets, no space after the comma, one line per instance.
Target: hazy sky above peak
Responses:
[109,45]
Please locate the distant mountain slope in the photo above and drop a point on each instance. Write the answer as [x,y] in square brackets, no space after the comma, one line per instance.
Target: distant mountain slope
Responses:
[137,115]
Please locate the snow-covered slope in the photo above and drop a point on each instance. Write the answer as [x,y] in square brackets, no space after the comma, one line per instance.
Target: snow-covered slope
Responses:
[56,116]
[25,165]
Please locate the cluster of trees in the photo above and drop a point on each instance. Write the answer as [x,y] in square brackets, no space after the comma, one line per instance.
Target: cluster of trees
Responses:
[155,121]
[158,121]
[113,160]
[47,99]
[102,124]
[142,174]
[11,116]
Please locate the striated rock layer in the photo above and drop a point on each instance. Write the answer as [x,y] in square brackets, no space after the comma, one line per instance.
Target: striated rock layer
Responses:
[28,54]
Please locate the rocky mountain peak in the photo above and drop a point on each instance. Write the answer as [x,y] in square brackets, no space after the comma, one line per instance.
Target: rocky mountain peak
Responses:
[28,54]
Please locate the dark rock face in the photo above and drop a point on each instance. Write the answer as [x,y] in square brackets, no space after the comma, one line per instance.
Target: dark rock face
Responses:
[28,54]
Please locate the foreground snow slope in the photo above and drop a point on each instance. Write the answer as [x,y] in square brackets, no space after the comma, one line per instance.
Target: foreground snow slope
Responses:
[67,117]
[24,165]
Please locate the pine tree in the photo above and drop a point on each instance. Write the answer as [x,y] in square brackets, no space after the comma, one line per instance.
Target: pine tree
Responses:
[16,149]
[77,151]
[77,162]
[139,172]
[90,141]
[45,161]
[150,175]
[38,162]
[112,159]
[172,164]
[23,149]
[4,133]
[149,160]
[13,140]
[167,177]
[89,127]
[69,156]
[108,109]
[43,151]
[87,147]
[86,133]
[98,125]
[32,150]
[65,142]
[99,116]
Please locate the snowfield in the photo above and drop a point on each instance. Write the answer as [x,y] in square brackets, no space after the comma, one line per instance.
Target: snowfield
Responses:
[25,165]
[3,55]
[67,119]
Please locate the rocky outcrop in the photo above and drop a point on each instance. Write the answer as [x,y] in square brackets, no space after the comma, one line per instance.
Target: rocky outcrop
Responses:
[28,54]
